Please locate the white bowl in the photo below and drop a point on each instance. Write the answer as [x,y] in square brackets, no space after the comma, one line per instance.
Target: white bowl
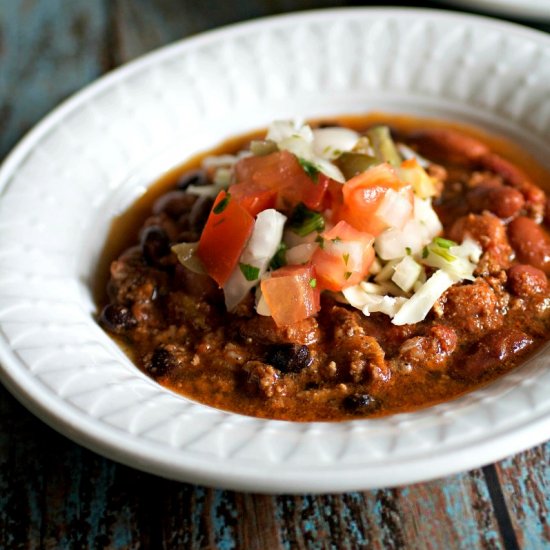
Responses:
[65,181]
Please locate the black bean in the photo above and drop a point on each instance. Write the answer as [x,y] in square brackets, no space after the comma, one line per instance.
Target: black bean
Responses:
[174,203]
[161,363]
[289,357]
[199,213]
[117,318]
[155,245]
[360,403]
[192,177]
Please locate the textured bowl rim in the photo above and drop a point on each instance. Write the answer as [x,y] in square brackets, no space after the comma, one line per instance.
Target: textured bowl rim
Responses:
[127,449]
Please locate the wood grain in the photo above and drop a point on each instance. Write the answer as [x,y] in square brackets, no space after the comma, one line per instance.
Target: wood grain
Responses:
[525,482]
[55,494]
[48,50]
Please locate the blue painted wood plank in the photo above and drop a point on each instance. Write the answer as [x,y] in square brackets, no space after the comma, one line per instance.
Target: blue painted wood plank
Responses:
[48,51]
[143,25]
[525,481]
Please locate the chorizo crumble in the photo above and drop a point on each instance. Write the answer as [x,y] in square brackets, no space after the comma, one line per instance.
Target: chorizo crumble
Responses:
[334,271]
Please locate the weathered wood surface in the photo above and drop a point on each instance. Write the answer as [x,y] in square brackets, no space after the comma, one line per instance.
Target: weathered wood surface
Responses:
[55,494]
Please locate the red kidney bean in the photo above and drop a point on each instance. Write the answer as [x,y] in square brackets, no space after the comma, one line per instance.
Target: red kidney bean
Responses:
[526,280]
[450,144]
[531,243]
[516,178]
[492,351]
[502,201]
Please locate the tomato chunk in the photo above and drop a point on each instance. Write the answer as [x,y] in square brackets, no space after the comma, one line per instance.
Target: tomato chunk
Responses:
[344,257]
[375,200]
[283,173]
[224,237]
[291,293]
[252,198]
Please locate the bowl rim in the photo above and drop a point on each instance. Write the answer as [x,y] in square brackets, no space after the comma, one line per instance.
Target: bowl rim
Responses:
[124,447]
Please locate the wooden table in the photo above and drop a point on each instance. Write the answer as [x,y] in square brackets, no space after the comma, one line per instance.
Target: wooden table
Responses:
[55,494]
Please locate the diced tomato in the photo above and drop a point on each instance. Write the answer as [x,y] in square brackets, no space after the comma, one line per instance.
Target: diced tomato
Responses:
[283,173]
[314,192]
[333,198]
[369,207]
[344,257]
[253,198]
[224,237]
[291,293]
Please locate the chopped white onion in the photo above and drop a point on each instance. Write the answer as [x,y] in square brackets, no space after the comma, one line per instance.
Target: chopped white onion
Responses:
[298,146]
[406,273]
[426,215]
[352,251]
[390,244]
[372,303]
[392,289]
[297,138]
[329,169]
[383,304]
[416,233]
[375,267]
[282,129]
[300,254]
[223,176]
[261,305]
[329,143]
[457,266]
[262,246]
[219,160]
[371,288]
[385,274]
[469,249]
[419,304]
[395,209]
[416,236]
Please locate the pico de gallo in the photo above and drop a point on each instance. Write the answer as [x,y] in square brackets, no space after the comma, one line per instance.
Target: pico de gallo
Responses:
[305,211]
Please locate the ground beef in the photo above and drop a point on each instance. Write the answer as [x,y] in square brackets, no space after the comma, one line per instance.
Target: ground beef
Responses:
[430,352]
[526,280]
[264,329]
[490,232]
[472,309]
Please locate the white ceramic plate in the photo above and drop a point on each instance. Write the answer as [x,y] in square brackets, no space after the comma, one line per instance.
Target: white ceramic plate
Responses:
[83,163]
[525,9]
